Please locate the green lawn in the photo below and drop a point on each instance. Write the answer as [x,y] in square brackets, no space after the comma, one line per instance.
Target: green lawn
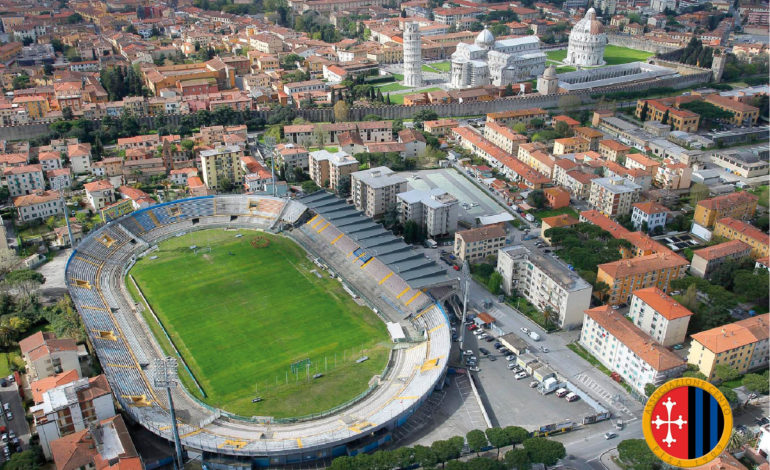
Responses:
[5,363]
[444,66]
[399,99]
[242,315]
[565,69]
[393,87]
[613,55]
[540,215]
[764,195]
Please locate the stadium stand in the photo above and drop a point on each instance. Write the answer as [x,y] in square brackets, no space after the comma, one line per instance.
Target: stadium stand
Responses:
[126,348]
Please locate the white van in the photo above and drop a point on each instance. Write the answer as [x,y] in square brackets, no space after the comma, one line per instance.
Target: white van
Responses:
[561,392]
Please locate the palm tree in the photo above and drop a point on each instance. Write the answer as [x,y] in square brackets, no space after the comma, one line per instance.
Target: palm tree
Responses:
[601,288]
[737,439]
[7,333]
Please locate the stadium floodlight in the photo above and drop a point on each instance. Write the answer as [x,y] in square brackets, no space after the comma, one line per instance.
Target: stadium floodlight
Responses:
[467,278]
[166,376]
[270,144]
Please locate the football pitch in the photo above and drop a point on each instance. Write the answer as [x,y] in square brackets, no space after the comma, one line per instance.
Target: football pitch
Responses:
[613,55]
[242,313]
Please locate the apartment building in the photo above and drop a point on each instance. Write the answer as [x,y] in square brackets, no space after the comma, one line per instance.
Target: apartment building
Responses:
[642,162]
[100,194]
[70,408]
[46,355]
[673,175]
[80,157]
[509,118]
[39,205]
[440,127]
[23,180]
[107,445]
[577,182]
[650,213]
[413,141]
[659,110]
[706,260]
[732,229]
[556,197]
[374,190]
[435,210]
[659,315]
[474,245]
[612,150]
[546,284]
[742,345]
[590,135]
[59,179]
[743,114]
[292,156]
[222,165]
[504,137]
[740,205]
[49,160]
[613,196]
[332,170]
[624,348]
[570,145]
[627,275]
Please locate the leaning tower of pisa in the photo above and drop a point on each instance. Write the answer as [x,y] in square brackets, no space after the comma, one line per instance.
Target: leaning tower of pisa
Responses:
[412,55]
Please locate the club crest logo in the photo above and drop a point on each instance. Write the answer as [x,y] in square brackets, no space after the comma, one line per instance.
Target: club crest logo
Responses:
[687,422]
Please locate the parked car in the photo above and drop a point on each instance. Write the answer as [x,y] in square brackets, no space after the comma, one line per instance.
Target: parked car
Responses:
[468,352]
[511,366]
[678,346]
[525,329]
[484,351]
[510,357]
[9,415]
[497,345]
[561,392]
[489,339]
[609,435]
[572,396]
[534,384]
[521,375]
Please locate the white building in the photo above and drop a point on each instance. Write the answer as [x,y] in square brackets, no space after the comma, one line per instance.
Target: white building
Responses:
[412,54]
[586,42]
[623,348]
[435,210]
[71,407]
[80,157]
[650,213]
[545,283]
[39,205]
[60,178]
[100,193]
[22,180]
[374,190]
[499,63]
[660,316]
[613,196]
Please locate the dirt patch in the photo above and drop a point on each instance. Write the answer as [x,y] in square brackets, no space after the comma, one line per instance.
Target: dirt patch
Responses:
[260,242]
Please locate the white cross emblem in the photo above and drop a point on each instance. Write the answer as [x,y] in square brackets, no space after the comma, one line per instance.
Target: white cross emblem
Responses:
[659,422]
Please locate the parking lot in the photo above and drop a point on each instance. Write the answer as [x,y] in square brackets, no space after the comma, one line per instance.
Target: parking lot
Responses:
[18,425]
[512,402]
[473,201]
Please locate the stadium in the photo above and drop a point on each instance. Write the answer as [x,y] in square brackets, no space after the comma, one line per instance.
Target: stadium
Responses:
[374,267]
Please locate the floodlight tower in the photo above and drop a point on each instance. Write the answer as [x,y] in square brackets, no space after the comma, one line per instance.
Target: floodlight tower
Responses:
[467,279]
[166,377]
[270,145]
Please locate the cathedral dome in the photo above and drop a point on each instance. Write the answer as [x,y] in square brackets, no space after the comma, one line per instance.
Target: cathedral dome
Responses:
[550,72]
[589,24]
[485,39]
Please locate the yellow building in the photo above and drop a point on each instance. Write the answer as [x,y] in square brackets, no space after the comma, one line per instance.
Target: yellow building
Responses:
[741,205]
[732,229]
[743,114]
[627,275]
[220,164]
[36,105]
[742,345]
[570,145]
[679,119]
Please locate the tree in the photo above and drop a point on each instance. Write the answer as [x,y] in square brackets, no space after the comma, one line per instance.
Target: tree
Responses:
[518,459]
[637,454]
[563,129]
[645,111]
[752,287]
[495,281]
[27,460]
[497,436]
[516,434]
[664,119]
[341,111]
[456,465]
[520,128]
[757,383]
[444,451]
[424,456]
[698,192]
[725,373]
[309,186]
[343,462]
[649,389]
[20,81]
[545,451]
[730,395]
[536,198]
[508,91]
[477,440]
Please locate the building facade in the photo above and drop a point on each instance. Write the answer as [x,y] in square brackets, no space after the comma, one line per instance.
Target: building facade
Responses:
[332,170]
[46,355]
[742,345]
[40,205]
[222,165]
[435,210]
[374,190]
[739,205]
[474,245]
[586,42]
[733,229]
[613,196]
[706,260]
[627,275]
[412,54]
[659,315]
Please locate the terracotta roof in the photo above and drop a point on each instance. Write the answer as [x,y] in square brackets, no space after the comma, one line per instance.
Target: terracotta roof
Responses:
[723,249]
[724,461]
[35,198]
[78,150]
[597,218]
[730,103]
[19,170]
[648,350]
[99,185]
[42,343]
[561,220]
[588,132]
[744,228]
[81,449]
[41,386]
[726,201]
[662,303]
[49,156]
[581,177]
[516,113]
[650,207]
[614,145]
[410,135]
[642,264]
[566,119]
[486,232]
[642,159]
[734,335]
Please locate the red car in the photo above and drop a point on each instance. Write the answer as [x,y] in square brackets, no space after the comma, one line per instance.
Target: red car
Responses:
[472,327]
[456,268]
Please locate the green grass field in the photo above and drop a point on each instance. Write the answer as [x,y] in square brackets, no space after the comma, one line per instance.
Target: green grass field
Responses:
[393,87]
[613,55]
[540,215]
[444,66]
[241,315]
